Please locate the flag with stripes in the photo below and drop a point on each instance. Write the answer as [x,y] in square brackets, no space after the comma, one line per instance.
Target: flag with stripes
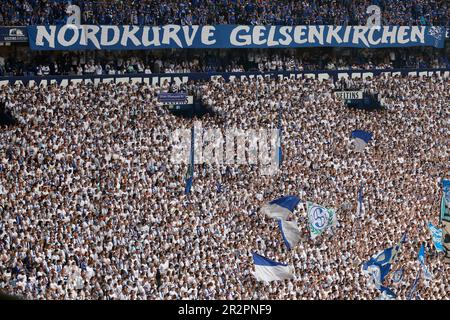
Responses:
[269,270]
[280,208]
[290,233]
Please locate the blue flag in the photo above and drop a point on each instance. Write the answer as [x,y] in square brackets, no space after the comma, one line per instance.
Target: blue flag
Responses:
[269,270]
[281,207]
[378,266]
[362,138]
[387,294]
[290,233]
[421,257]
[362,135]
[189,182]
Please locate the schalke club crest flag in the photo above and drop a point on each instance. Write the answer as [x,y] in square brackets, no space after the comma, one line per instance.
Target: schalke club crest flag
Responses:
[319,219]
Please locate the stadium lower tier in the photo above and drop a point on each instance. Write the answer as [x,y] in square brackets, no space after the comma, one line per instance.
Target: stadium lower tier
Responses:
[93,205]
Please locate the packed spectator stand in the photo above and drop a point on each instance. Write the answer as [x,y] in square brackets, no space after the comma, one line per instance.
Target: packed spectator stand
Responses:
[94,209]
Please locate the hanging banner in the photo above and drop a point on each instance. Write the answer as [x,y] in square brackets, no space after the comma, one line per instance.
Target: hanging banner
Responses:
[167,98]
[13,34]
[179,78]
[93,37]
[349,95]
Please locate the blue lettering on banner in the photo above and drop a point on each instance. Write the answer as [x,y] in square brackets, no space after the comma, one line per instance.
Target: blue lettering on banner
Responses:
[93,37]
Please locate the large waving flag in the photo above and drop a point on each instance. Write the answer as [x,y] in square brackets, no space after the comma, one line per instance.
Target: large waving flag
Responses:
[421,257]
[290,233]
[281,208]
[378,267]
[361,139]
[269,270]
[319,219]
[437,237]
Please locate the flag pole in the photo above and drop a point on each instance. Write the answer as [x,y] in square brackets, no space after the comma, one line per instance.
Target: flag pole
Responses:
[190,172]
[280,132]
[361,185]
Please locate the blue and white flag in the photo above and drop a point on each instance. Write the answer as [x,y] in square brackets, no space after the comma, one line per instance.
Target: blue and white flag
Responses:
[290,233]
[378,267]
[360,208]
[280,208]
[397,249]
[397,276]
[361,138]
[387,294]
[437,237]
[320,218]
[413,289]
[421,257]
[269,270]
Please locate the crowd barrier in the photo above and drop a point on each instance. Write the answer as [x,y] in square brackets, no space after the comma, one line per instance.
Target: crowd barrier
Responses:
[179,78]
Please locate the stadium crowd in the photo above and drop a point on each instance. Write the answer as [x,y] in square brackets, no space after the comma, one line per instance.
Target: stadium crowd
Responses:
[284,12]
[92,206]
[93,63]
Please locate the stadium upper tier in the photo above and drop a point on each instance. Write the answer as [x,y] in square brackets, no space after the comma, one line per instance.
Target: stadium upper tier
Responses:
[202,12]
